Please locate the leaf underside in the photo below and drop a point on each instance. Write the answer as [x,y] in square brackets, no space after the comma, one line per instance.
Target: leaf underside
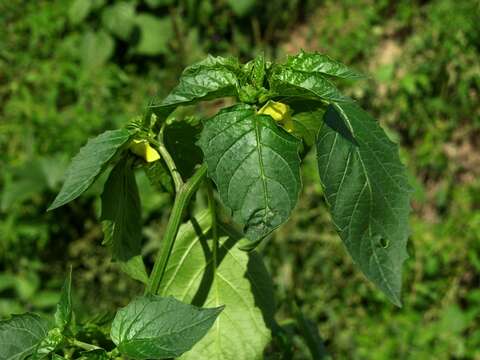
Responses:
[240,282]
[367,191]
[89,163]
[255,165]
[154,327]
[121,212]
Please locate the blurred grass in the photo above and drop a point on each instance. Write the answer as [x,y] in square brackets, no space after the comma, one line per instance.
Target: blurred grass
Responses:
[68,71]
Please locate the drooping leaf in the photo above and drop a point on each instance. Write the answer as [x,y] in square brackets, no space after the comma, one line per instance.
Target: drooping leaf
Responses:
[135,268]
[20,336]
[63,315]
[368,194]
[121,212]
[119,19]
[89,163]
[320,63]
[159,177]
[154,327]
[209,79]
[155,34]
[255,165]
[307,124]
[240,282]
[289,83]
[180,140]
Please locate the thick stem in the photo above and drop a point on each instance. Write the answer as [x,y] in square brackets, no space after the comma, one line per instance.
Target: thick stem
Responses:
[181,202]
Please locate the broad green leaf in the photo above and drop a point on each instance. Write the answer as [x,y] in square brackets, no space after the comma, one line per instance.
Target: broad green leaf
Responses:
[240,282]
[63,315]
[180,140]
[368,194]
[154,327]
[307,124]
[20,335]
[50,343]
[121,212]
[97,48]
[119,19]
[155,34]
[209,79]
[289,83]
[320,63]
[255,165]
[89,163]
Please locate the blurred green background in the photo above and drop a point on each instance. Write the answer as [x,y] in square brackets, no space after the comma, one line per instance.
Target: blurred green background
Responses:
[71,69]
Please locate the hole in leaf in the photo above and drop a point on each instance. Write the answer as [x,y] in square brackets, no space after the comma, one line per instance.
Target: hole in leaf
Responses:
[383,242]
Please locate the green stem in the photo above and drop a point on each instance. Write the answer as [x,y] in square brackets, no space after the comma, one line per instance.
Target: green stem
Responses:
[213,214]
[181,202]
[172,168]
[84,346]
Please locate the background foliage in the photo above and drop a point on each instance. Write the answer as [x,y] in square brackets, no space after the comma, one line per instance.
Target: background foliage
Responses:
[70,69]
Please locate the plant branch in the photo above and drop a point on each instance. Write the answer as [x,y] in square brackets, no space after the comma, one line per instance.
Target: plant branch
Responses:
[182,200]
[172,168]
[84,346]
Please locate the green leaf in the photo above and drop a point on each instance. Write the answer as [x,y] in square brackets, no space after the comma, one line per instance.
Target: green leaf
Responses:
[159,177]
[240,281]
[155,34]
[157,3]
[320,63]
[121,212]
[159,328]
[97,48]
[367,191]
[89,163]
[287,82]
[180,140]
[241,7]
[135,268]
[255,165]
[209,79]
[20,336]
[79,10]
[63,315]
[119,19]
[307,124]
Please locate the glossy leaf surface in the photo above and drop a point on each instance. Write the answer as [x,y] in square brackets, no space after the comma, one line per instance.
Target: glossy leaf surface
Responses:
[320,63]
[288,83]
[255,165]
[368,194]
[209,79]
[89,163]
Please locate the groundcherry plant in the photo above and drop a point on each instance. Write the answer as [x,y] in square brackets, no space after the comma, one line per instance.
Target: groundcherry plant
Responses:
[208,295]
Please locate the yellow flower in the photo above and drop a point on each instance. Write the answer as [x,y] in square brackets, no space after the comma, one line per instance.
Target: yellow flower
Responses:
[279,112]
[143,149]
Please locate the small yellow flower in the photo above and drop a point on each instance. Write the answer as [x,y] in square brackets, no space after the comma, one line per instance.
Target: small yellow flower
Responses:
[279,112]
[143,149]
